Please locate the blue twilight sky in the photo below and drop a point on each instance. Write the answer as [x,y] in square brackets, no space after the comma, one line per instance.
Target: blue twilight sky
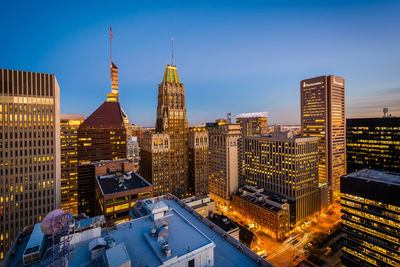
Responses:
[232,56]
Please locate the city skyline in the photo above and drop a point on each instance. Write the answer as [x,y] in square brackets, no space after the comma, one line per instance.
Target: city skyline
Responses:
[256,65]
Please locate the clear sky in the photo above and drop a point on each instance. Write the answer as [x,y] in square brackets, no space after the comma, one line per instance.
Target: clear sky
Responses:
[232,56]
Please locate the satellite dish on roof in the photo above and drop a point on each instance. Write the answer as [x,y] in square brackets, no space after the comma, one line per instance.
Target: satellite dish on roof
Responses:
[54,221]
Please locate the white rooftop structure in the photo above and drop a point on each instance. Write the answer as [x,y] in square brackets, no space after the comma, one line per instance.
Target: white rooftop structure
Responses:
[118,256]
[252,115]
[169,234]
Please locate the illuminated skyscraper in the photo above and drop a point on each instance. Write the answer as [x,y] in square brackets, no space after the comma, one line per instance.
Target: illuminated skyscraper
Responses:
[323,116]
[29,150]
[164,154]
[102,136]
[286,165]
[69,125]
[373,143]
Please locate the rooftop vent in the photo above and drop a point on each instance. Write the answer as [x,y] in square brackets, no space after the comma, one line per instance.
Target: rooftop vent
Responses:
[165,249]
[35,246]
[110,242]
[153,232]
[97,247]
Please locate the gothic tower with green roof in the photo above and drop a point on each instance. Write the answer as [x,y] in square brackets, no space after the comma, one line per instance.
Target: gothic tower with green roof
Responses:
[164,152]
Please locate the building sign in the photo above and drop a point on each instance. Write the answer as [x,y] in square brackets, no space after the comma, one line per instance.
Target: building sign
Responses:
[311,84]
[336,82]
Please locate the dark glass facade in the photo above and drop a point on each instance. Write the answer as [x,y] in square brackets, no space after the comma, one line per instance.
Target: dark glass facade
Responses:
[371,218]
[373,143]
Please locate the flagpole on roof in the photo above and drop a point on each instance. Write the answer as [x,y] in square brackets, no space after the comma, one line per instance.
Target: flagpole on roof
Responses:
[172,49]
[111,36]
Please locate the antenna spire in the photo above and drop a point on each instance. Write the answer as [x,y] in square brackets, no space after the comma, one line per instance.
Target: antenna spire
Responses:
[172,49]
[111,36]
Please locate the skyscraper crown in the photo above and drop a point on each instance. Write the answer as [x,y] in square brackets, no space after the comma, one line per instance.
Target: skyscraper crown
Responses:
[171,75]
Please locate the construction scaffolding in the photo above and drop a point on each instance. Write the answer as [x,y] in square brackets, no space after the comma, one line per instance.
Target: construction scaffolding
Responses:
[58,254]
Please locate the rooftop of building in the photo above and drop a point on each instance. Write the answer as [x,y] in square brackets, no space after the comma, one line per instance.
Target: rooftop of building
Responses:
[109,115]
[145,250]
[171,75]
[223,222]
[284,136]
[105,162]
[383,187]
[252,115]
[377,176]
[388,121]
[183,228]
[198,201]
[227,128]
[72,117]
[120,182]
[259,196]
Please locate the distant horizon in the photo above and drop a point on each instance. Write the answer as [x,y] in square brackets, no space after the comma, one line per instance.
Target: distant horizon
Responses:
[245,57]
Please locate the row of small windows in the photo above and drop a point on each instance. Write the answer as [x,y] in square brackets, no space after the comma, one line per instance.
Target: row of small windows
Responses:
[26,135]
[13,82]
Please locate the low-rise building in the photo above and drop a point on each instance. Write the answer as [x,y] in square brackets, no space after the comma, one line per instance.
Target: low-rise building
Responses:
[202,204]
[117,193]
[225,224]
[268,211]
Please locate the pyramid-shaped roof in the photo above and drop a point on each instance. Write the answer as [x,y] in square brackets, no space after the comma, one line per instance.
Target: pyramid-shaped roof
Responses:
[108,115]
[171,75]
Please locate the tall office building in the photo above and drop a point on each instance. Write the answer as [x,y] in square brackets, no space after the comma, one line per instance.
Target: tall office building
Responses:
[29,150]
[253,123]
[371,218]
[155,161]
[102,136]
[223,163]
[373,143]
[69,125]
[323,116]
[198,161]
[165,159]
[286,165]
